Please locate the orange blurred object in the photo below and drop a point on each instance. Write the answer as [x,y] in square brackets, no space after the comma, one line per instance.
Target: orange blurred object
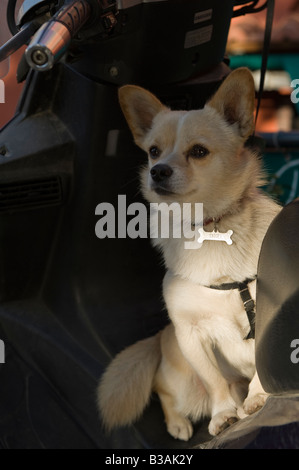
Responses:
[8,70]
[12,89]
[267,119]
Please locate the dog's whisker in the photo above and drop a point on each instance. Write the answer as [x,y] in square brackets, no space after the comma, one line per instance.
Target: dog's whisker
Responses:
[127,183]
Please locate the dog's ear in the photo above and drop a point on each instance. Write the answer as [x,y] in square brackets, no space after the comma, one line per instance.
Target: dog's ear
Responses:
[140,108]
[235,100]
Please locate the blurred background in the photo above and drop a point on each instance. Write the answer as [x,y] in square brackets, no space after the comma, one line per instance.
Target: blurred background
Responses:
[245,43]
[277,112]
[244,47]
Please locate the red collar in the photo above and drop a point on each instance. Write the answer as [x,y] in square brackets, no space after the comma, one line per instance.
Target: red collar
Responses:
[210,220]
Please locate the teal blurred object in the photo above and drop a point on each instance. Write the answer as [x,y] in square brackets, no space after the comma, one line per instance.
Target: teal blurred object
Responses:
[283,175]
[287,62]
[282,166]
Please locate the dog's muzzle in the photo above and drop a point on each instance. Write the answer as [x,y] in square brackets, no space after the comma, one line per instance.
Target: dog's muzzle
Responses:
[160,175]
[161,172]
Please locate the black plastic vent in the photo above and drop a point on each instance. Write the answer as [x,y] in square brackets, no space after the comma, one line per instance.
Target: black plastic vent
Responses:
[28,195]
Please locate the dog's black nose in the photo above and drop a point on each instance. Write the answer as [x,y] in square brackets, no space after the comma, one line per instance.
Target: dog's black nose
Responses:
[161,172]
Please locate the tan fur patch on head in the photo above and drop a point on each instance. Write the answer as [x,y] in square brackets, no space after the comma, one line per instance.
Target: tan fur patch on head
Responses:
[139,107]
[235,100]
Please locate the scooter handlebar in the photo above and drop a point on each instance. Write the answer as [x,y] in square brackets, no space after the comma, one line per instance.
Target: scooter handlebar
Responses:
[52,40]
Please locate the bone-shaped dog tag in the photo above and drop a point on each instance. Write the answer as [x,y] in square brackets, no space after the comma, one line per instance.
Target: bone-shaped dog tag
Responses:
[215,236]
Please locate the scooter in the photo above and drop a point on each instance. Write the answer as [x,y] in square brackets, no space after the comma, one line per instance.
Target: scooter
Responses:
[70,301]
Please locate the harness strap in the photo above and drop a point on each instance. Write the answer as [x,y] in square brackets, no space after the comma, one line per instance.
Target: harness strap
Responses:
[249,306]
[248,302]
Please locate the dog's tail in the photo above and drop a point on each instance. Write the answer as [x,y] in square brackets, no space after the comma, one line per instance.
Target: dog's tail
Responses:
[125,388]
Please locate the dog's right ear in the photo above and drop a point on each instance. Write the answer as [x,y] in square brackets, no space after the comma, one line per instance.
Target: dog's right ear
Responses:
[234,100]
[140,108]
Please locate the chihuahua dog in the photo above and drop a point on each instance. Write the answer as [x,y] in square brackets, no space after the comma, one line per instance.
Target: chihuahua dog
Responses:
[203,363]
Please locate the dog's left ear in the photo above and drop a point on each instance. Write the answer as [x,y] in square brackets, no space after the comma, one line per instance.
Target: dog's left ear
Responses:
[140,108]
[235,100]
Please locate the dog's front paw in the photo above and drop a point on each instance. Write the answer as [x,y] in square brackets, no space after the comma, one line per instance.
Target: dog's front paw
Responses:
[221,421]
[180,428]
[254,403]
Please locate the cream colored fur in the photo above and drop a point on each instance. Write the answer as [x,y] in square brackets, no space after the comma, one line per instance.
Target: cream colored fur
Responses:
[200,365]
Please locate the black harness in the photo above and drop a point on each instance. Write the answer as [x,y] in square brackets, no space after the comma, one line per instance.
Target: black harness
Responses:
[248,302]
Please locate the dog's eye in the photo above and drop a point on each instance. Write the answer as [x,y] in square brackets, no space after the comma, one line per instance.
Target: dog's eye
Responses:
[198,151]
[154,151]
